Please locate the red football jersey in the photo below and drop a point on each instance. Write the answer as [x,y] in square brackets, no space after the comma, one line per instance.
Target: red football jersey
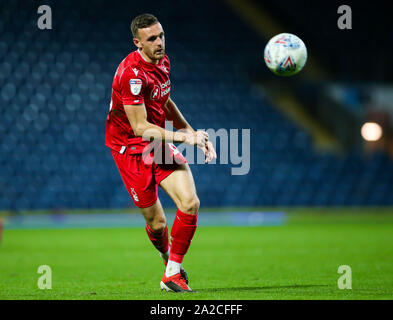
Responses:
[136,81]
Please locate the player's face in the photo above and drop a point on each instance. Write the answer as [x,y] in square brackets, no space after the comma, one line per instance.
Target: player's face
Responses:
[151,42]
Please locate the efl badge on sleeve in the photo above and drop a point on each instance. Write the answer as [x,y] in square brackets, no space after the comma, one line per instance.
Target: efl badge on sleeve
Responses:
[136,86]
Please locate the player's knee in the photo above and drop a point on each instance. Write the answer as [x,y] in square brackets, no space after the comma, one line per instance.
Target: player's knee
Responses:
[157,225]
[190,205]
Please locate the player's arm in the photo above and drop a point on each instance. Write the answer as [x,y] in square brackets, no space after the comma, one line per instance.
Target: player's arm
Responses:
[173,114]
[137,117]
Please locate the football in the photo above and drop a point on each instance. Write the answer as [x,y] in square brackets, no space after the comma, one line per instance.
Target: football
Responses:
[285,54]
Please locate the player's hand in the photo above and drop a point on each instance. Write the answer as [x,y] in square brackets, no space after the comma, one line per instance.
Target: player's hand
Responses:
[197,138]
[209,152]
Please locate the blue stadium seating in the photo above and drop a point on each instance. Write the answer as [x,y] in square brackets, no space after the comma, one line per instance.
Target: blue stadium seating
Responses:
[55,88]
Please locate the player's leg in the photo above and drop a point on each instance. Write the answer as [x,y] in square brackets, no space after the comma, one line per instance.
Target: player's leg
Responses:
[180,186]
[157,231]
[157,228]
[142,188]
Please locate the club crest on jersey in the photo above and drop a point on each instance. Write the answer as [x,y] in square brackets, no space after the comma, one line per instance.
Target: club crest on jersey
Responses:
[136,86]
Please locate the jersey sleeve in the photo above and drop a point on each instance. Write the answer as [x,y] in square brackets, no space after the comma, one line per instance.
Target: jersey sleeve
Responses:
[132,88]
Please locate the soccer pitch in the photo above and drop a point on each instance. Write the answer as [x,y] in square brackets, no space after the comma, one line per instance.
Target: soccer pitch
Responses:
[297,260]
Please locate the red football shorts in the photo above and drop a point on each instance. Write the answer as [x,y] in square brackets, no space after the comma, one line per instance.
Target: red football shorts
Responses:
[142,173]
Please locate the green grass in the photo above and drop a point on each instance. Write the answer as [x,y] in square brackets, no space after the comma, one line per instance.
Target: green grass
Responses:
[296,261]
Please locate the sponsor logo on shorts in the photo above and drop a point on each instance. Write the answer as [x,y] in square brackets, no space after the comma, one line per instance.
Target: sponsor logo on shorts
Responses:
[134,195]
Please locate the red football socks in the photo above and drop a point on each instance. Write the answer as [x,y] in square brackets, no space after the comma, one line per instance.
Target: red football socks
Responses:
[159,239]
[182,232]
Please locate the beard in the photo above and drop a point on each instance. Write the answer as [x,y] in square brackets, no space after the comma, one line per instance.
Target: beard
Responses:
[160,53]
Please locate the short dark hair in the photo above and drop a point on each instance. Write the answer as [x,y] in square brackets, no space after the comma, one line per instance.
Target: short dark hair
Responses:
[142,21]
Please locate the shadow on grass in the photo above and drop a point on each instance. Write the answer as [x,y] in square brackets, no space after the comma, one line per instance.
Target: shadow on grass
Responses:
[295,286]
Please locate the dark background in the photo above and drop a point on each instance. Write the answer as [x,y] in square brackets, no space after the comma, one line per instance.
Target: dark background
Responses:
[55,88]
